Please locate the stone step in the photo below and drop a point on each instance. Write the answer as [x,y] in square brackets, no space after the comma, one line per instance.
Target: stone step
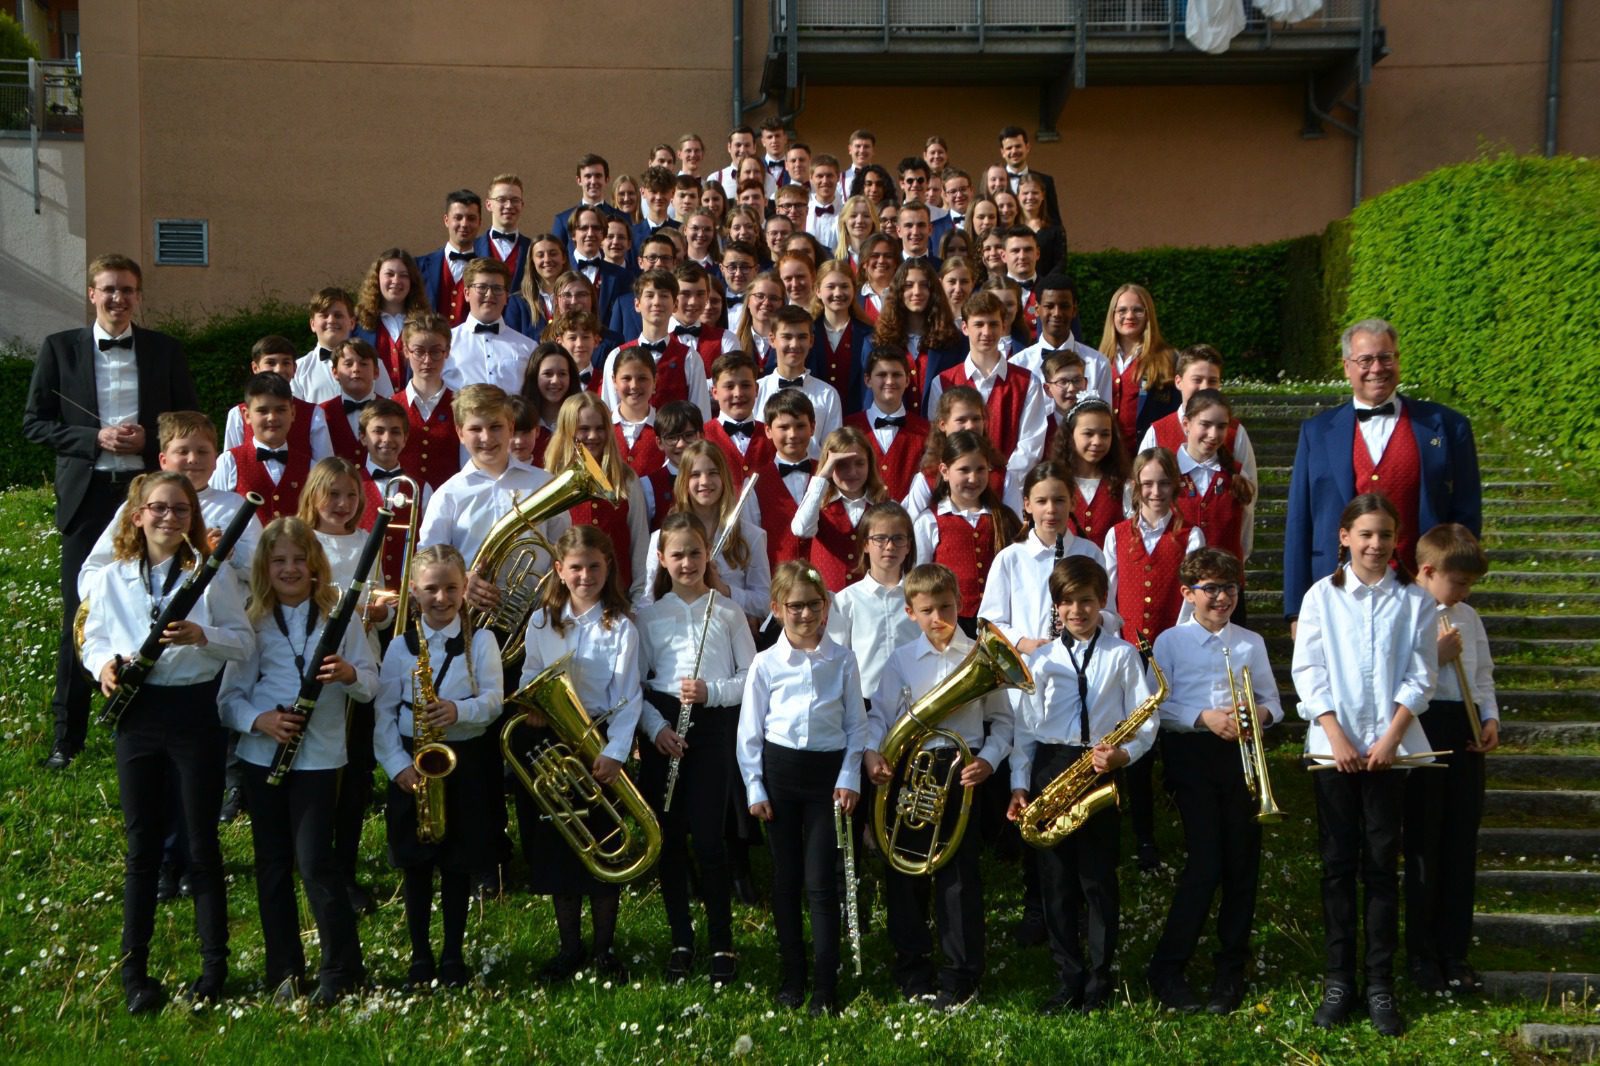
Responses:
[1544,626]
[1506,766]
[1581,704]
[1584,884]
[1520,488]
[1498,511]
[1552,805]
[1507,651]
[1527,734]
[1520,676]
[1538,930]
[1571,1043]
[1270,601]
[1269,472]
[1269,536]
[1538,986]
[1271,558]
[1581,844]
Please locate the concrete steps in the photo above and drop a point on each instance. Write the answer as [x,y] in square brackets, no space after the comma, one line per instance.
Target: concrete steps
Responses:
[1581,844]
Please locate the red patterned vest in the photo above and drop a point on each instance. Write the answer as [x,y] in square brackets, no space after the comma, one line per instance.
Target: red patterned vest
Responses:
[299,439]
[777,514]
[432,453]
[1217,512]
[1148,597]
[672,373]
[1125,390]
[709,345]
[394,538]
[450,298]
[1004,405]
[346,445]
[659,483]
[968,551]
[757,454]
[282,498]
[1169,434]
[645,456]
[392,357]
[839,366]
[901,462]
[511,260]
[1398,476]
[1094,518]
[833,551]
[613,519]
[1052,426]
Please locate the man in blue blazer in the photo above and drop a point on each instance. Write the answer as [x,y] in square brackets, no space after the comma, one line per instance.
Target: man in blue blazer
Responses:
[503,241]
[463,217]
[1324,479]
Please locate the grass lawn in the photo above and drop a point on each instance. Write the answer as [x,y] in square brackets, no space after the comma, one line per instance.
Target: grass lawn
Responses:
[60,917]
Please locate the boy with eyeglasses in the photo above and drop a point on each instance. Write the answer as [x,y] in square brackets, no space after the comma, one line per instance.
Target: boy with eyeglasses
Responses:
[485,350]
[503,242]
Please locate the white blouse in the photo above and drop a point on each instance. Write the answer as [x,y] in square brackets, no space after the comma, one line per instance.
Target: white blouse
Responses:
[123,602]
[670,631]
[870,619]
[804,701]
[603,668]
[1016,597]
[476,693]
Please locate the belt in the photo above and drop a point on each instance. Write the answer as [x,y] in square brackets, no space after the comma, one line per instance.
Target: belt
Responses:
[117,477]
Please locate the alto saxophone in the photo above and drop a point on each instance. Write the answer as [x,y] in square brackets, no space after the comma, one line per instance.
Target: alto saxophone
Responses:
[431,758]
[1078,794]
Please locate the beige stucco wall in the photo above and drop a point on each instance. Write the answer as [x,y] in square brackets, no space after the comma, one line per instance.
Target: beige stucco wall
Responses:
[41,254]
[312,134]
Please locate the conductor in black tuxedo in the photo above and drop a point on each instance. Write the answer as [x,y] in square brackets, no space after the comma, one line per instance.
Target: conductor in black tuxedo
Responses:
[1015,147]
[94,399]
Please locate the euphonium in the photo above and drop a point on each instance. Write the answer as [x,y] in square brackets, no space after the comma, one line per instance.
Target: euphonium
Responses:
[1252,754]
[509,555]
[431,757]
[559,780]
[1078,794]
[993,663]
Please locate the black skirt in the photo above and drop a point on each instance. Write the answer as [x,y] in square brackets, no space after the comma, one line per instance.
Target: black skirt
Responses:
[553,865]
[467,793]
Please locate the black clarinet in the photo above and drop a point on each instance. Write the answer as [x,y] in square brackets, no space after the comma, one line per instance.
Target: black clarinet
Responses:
[132,673]
[328,644]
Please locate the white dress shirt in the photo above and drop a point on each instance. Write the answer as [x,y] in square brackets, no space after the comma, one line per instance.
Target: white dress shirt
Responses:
[321,443]
[267,678]
[313,380]
[1150,534]
[670,630]
[824,228]
[804,701]
[123,605]
[750,586]
[1197,673]
[1244,453]
[1358,651]
[476,358]
[809,513]
[1377,430]
[1054,713]
[824,398]
[471,501]
[910,671]
[217,506]
[116,394]
[1475,659]
[1016,596]
[884,435]
[603,668]
[476,692]
[870,619]
[693,373]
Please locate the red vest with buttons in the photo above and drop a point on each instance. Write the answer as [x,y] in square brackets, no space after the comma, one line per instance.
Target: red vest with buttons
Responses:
[1004,405]
[672,373]
[1169,434]
[709,345]
[432,453]
[251,476]
[659,483]
[1125,388]
[1398,477]
[834,551]
[346,445]
[1052,426]
[392,357]
[395,537]
[299,439]
[644,457]
[1217,512]
[902,461]
[757,454]
[1148,594]
[1094,518]
[839,366]
[451,297]
[511,260]
[968,551]
[777,517]
[612,518]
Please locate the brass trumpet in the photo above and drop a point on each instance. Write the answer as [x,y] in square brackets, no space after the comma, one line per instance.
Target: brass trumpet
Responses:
[993,663]
[509,555]
[559,780]
[1252,755]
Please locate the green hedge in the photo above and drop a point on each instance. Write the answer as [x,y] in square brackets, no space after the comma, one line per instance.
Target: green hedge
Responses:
[1490,271]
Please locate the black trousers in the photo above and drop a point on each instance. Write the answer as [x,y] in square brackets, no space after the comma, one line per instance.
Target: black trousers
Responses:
[1443,809]
[1358,825]
[1137,783]
[696,820]
[70,703]
[171,736]
[355,790]
[956,894]
[292,825]
[804,849]
[1080,873]
[466,793]
[1223,844]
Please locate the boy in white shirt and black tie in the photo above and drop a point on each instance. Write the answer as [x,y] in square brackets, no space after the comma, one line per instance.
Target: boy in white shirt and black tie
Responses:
[484,350]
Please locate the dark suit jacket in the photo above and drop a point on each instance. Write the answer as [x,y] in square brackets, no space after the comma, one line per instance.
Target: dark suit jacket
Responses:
[1324,481]
[66,365]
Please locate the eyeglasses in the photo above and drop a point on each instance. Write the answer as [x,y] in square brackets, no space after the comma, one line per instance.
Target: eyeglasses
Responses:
[116,290]
[680,438]
[487,290]
[795,610]
[655,257]
[889,540]
[1069,383]
[438,351]
[1367,362]
[1212,592]
[506,201]
[159,511]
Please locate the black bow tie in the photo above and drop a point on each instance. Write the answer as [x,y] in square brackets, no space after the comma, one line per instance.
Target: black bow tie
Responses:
[1364,413]
[116,342]
[460,257]
[693,331]
[744,429]
[804,466]
[487,327]
[356,405]
[774,164]
[324,354]
[279,454]
[585,264]
[821,210]
[1045,353]
[791,383]
[885,422]
[1027,285]
[502,235]
[380,474]
[657,347]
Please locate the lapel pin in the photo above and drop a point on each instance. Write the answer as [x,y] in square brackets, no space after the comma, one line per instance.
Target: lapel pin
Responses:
[1434,442]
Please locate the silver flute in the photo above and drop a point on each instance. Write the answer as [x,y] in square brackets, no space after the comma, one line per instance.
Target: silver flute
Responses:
[685,707]
[843,829]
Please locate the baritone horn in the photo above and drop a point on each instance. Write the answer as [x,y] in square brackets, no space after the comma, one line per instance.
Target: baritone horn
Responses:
[610,827]
[992,664]
[1252,753]
[509,555]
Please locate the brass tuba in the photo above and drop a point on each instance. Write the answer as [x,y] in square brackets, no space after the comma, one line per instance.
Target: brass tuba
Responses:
[994,663]
[1078,793]
[509,555]
[1252,754]
[560,782]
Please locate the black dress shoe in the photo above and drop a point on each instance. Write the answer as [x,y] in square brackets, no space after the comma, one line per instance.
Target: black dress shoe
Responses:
[185,885]
[1148,858]
[60,758]
[1064,1001]
[232,805]
[609,964]
[1462,979]
[207,988]
[453,973]
[1384,1010]
[287,992]
[1095,998]
[167,883]
[724,967]
[361,900]
[421,975]
[824,1003]
[1227,992]
[1337,1002]
[1171,989]
[790,996]
[744,890]
[144,996]
[680,963]
[327,996]
[1426,975]
[1030,932]
[564,965]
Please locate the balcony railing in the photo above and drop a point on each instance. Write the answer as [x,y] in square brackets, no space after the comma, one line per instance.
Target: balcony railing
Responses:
[979,18]
[42,96]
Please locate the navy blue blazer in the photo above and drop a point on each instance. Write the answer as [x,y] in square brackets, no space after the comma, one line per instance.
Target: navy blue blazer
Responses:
[559,225]
[519,316]
[481,248]
[1324,481]
[642,230]
[624,319]
[428,265]
[613,283]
